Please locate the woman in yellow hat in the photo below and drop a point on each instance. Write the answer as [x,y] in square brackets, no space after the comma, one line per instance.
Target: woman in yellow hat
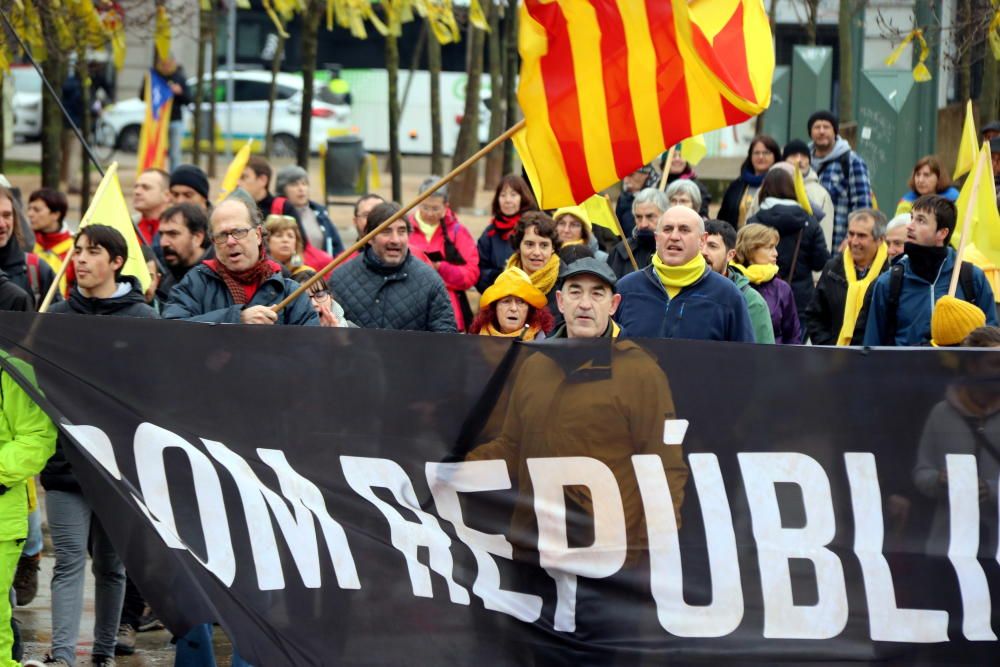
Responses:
[513,308]
[575,228]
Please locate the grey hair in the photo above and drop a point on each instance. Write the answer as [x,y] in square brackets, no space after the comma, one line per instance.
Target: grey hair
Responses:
[429,182]
[690,188]
[286,176]
[900,220]
[878,217]
[651,196]
[254,216]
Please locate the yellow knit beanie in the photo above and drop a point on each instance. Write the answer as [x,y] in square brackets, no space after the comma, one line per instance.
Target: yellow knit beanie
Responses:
[513,282]
[953,319]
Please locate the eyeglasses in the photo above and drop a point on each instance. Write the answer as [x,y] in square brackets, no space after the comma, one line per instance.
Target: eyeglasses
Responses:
[762,154]
[237,234]
[321,296]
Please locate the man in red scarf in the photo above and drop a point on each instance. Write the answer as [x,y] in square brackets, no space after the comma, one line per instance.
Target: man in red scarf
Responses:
[241,284]
[150,198]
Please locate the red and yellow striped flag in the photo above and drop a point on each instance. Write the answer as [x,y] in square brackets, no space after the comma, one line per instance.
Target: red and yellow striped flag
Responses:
[607,85]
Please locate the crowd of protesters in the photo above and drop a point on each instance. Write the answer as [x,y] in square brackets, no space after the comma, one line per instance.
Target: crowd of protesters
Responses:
[771,268]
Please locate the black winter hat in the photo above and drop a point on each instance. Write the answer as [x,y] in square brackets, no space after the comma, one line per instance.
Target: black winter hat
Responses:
[191,176]
[795,147]
[823,115]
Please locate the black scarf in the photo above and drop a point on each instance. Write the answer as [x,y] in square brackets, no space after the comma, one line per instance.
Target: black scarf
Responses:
[925,261]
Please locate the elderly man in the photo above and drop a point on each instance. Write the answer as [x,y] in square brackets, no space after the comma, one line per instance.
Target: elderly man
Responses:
[647,207]
[241,284]
[386,287]
[678,295]
[318,231]
[587,300]
[838,311]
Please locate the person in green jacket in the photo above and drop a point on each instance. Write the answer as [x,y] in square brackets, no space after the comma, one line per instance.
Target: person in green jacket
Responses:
[27,440]
[718,250]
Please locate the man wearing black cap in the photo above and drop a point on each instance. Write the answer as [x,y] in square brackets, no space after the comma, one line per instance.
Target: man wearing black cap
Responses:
[188,183]
[587,300]
[797,153]
[841,171]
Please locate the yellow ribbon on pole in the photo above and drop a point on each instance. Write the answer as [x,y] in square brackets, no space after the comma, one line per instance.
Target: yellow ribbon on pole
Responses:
[920,72]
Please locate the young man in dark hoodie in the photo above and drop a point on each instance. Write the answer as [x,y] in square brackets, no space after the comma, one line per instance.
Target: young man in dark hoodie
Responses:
[99,253]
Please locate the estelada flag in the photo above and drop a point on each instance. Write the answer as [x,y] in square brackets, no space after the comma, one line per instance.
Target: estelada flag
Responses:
[154,135]
[607,85]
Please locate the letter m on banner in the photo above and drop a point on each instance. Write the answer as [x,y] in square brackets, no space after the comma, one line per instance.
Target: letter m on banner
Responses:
[154,136]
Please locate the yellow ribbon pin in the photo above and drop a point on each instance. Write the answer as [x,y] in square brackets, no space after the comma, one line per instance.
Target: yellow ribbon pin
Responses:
[920,71]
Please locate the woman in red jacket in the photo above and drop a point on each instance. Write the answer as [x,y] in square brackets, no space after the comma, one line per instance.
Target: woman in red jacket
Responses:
[436,231]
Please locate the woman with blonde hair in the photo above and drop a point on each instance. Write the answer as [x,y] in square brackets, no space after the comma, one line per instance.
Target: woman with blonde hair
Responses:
[756,258]
[285,244]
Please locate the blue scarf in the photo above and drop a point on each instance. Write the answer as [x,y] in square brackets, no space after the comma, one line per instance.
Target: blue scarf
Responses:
[751,179]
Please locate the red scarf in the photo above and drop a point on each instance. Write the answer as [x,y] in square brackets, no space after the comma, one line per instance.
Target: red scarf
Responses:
[50,240]
[504,224]
[243,285]
[149,227]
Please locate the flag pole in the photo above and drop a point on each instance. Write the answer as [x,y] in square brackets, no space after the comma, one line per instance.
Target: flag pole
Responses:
[666,168]
[621,233]
[429,192]
[967,221]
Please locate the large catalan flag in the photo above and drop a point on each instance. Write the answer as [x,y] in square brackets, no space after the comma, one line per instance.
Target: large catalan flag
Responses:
[154,135]
[607,85]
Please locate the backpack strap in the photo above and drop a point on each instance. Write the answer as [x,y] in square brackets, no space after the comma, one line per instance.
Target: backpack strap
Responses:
[278,205]
[968,283]
[34,281]
[892,304]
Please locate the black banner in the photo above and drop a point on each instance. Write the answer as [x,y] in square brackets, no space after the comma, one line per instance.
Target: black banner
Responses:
[360,497]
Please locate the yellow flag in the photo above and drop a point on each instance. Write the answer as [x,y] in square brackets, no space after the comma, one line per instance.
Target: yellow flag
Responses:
[236,167]
[800,191]
[984,225]
[967,147]
[693,149]
[599,211]
[108,208]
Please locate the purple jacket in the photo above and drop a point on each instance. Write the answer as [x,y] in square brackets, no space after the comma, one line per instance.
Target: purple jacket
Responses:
[781,302]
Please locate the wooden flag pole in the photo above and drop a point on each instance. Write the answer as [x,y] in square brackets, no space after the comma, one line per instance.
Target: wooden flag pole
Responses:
[621,233]
[666,168]
[47,301]
[429,192]
[967,220]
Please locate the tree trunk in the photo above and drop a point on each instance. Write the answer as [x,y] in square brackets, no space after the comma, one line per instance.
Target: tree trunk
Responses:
[989,99]
[494,161]
[844,28]
[395,159]
[510,81]
[463,187]
[199,92]
[54,69]
[964,71]
[213,70]
[272,94]
[812,9]
[3,127]
[310,38]
[434,72]
[85,125]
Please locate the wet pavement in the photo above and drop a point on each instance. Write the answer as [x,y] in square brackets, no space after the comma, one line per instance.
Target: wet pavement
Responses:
[153,649]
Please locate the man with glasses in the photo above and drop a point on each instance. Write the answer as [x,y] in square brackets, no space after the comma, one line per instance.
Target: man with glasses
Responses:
[241,284]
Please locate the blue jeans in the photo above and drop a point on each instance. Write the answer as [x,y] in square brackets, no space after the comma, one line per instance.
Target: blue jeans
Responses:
[195,650]
[176,131]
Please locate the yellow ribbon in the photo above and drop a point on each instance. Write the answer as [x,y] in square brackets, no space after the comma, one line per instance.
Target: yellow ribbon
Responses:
[920,71]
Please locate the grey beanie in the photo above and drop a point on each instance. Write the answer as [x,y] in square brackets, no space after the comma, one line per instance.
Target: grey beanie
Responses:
[293,173]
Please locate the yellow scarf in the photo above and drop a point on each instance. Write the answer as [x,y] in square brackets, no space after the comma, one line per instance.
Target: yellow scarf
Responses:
[425,229]
[758,274]
[525,333]
[544,278]
[676,277]
[856,290]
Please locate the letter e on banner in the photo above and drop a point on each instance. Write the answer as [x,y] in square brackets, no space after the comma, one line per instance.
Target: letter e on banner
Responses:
[783,619]
[601,559]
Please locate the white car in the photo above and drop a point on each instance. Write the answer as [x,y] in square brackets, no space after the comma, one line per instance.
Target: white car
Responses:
[27,101]
[249,113]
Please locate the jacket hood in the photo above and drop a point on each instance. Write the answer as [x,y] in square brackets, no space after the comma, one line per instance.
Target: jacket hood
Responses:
[737,277]
[840,147]
[811,177]
[787,218]
[111,306]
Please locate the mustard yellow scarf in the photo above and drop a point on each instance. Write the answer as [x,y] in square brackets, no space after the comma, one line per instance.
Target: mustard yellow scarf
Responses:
[544,278]
[676,277]
[856,290]
[525,333]
[757,274]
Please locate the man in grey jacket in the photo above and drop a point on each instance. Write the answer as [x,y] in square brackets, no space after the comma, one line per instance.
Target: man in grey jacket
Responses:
[386,287]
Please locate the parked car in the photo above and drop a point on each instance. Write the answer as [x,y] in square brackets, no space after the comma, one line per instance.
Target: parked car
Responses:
[27,101]
[249,114]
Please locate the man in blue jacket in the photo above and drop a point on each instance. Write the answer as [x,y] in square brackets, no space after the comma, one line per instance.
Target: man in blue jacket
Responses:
[904,297]
[678,295]
[241,284]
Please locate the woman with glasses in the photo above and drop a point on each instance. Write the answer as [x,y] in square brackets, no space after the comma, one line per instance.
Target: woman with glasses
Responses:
[764,152]
[436,231]
[331,313]
[575,228]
